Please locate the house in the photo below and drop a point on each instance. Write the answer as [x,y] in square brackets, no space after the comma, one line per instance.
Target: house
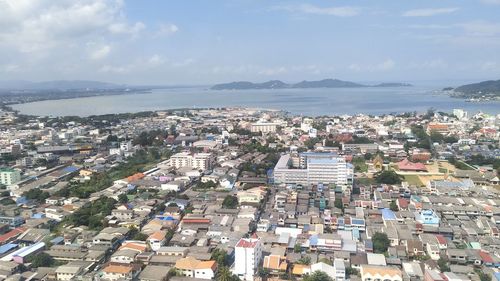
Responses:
[375,272]
[154,273]
[119,272]
[276,264]
[192,267]
[124,256]
[156,240]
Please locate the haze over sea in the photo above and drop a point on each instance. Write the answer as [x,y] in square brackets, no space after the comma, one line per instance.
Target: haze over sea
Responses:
[310,102]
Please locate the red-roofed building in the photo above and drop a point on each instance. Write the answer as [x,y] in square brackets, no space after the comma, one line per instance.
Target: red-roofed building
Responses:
[248,253]
[406,166]
[11,235]
[486,258]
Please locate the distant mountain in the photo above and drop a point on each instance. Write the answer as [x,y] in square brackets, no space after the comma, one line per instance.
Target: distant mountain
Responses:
[327,83]
[388,85]
[485,88]
[245,85]
[277,84]
[62,85]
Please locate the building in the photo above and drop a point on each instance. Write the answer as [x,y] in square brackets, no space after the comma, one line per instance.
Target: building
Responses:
[9,176]
[191,267]
[198,161]
[263,127]
[248,253]
[313,168]
[427,217]
[385,273]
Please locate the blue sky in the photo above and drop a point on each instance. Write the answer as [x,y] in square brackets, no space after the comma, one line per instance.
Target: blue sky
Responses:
[202,42]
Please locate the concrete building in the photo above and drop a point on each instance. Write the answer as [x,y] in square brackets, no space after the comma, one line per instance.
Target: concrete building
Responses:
[9,176]
[313,168]
[248,253]
[198,161]
[263,127]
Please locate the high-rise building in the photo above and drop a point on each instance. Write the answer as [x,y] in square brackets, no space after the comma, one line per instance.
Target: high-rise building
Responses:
[9,176]
[313,168]
[248,253]
[199,161]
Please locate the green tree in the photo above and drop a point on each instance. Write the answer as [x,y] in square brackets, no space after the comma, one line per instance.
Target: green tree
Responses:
[122,198]
[230,202]
[41,260]
[317,276]
[394,206]
[140,236]
[297,248]
[225,274]
[304,260]
[221,257]
[443,265]
[388,177]
[325,260]
[380,242]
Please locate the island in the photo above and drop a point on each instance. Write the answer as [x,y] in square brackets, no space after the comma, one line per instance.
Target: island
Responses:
[482,91]
[277,84]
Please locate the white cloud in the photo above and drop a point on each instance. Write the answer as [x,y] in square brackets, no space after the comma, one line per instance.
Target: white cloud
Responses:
[340,11]
[491,2]
[40,25]
[386,65]
[101,52]
[429,64]
[273,71]
[429,12]
[481,28]
[167,29]
[124,28]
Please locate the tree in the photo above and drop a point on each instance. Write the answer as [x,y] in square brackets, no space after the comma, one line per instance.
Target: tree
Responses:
[325,260]
[122,198]
[388,177]
[443,265]
[230,202]
[225,274]
[140,236]
[394,206]
[297,248]
[351,271]
[317,276]
[221,257]
[380,242]
[338,203]
[41,260]
[304,260]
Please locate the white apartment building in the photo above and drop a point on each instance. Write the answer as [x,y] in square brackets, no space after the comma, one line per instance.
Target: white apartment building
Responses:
[199,161]
[313,168]
[9,176]
[248,253]
[264,127]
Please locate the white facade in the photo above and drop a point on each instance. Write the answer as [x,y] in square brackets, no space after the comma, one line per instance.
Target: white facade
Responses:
[317,168]
[9,176]
[199,161]
[263,127]
[248,253]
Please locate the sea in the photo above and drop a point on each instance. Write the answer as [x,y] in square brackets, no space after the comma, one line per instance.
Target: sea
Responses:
[306,102]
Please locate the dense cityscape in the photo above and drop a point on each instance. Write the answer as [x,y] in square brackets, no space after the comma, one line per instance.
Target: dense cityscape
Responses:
[250,194]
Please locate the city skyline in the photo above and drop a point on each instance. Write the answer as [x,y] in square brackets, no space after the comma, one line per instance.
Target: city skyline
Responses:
[200,42]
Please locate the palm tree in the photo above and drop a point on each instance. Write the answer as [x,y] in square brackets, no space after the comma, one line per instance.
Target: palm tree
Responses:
[224,274]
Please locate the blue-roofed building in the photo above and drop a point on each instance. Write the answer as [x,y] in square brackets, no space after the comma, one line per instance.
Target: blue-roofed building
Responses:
[58,240]
[427,217]
[7,247]
[388,215]
[497,276]
[70,169]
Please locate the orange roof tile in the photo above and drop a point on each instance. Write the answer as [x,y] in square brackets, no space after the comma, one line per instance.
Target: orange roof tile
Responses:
[117,269]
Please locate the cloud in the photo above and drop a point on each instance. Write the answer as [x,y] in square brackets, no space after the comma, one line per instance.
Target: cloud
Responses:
[386,65]
[429,64]
[340,11]
[491,2]
[429,12]
[167,29]
[40,25]
[101,52]
[481,28]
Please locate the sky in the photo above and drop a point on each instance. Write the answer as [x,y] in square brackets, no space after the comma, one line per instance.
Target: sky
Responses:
[199,42]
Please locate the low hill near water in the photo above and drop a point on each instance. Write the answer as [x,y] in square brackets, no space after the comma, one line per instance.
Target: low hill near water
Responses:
[277,84]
